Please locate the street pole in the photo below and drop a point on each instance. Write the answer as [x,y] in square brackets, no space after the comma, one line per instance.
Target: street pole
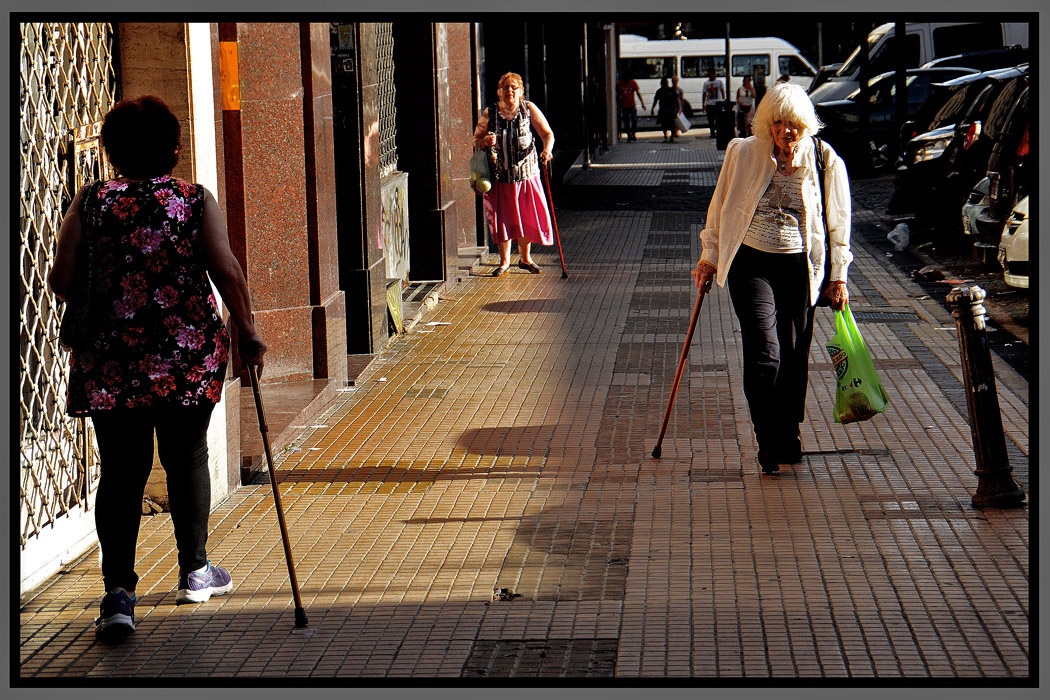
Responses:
[585,84]
[820,44]
[900,31]
[996,487]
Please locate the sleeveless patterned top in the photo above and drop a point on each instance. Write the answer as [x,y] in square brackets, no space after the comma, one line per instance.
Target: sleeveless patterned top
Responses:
[157,337]
[514,155]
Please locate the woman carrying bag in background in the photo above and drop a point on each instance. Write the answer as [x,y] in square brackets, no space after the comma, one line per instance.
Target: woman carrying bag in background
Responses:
[515,206]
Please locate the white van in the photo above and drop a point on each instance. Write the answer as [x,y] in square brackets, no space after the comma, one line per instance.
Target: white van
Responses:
[925,41]
[647,61]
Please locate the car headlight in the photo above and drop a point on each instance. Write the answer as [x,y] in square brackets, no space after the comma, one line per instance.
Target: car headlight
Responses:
[1016,218]
[931,150]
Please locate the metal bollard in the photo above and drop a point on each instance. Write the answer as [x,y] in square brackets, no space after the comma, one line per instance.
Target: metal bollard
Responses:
[996,487]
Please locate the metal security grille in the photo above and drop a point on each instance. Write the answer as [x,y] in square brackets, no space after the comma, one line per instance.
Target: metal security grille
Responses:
[384,36]
[67,84]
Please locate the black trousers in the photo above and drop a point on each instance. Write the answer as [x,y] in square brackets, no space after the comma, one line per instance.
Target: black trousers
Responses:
[770,294]
[125,444]
[712,117]
[629,120]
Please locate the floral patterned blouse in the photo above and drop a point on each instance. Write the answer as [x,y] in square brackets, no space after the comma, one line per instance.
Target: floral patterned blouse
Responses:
[157,337]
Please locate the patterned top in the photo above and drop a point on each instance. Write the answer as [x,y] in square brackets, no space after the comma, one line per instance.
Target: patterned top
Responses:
[775,227]
[514,155]
[157,336]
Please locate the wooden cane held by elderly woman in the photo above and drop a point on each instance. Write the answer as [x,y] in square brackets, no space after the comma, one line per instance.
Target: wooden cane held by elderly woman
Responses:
[681,366]
[554,220]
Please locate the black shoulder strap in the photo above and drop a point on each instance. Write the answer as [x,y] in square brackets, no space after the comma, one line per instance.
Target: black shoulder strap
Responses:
[86,197]
[818,152]
[818,145]
[493,115]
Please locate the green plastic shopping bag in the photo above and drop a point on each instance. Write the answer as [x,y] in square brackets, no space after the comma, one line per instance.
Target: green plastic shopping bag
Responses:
[860,394]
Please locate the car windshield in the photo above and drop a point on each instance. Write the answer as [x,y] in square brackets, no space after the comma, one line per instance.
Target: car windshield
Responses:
[958,99]
[882,88]
[1003,107]
[850,64]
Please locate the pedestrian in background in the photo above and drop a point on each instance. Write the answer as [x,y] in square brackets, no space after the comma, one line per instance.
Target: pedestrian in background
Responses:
[515,207]
[153,357]
[745,104]
[711,94]
[626,91]
[683,105]
[666,106]
[764,237]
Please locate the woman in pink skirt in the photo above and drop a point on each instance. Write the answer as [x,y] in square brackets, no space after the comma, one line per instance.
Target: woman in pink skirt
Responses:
[515,207]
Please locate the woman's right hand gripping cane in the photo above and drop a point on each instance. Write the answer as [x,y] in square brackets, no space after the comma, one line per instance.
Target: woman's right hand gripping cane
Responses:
[704,274]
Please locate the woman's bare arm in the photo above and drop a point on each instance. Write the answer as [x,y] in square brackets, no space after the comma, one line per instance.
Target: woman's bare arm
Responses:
[539,122]
[225,271]
[60,279]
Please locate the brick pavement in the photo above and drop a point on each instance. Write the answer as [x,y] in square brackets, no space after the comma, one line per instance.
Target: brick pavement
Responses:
[504,443]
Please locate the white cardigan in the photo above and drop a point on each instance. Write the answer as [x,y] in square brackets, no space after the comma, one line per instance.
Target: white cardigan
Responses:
[746,173]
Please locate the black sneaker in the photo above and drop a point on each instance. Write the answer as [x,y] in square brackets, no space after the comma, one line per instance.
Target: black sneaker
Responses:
[199,586]
[117,616]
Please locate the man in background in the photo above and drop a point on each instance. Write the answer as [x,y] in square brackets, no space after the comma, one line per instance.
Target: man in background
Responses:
[626,89]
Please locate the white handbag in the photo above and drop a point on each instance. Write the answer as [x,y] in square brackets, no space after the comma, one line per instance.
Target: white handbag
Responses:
[681,122]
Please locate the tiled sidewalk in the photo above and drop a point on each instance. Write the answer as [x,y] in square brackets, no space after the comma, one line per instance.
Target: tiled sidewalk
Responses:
[505,444]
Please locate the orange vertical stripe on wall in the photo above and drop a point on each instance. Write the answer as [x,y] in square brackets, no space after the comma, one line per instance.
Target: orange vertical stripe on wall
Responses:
[229,78]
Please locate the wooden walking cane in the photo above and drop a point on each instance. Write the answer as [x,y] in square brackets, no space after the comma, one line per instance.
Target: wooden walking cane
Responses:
[554,220]
[300,613]
[681,365]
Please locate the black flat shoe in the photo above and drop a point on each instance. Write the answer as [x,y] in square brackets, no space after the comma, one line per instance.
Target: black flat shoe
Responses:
[768,462]
[789,451]
[531,267]
[500,271]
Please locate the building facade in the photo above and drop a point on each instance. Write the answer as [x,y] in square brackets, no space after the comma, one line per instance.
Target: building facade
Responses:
[339,153]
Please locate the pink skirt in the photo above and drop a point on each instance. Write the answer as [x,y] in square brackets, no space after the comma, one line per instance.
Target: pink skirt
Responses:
[519,210]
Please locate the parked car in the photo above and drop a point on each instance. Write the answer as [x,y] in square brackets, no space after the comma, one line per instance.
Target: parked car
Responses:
[875,144]
[1013,247]
[1008,174]
[927,138]
[984,60]
[976,203]
[999,113]
[824,73]
[948,101]
[922,43]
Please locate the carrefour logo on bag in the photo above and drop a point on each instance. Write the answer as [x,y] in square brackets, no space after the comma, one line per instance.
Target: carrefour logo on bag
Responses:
[839,359]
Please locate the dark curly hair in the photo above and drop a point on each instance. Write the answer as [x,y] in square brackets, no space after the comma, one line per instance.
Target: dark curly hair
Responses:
[141,137]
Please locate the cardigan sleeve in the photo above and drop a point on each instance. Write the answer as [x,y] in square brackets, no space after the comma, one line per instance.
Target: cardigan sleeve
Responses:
[840,216]
[712,226]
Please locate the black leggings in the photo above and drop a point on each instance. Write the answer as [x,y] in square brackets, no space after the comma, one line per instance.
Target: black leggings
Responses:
[770,293]
[125,445]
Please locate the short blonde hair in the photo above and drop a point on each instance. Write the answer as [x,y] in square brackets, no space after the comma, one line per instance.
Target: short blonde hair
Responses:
[503,78]
[785,102]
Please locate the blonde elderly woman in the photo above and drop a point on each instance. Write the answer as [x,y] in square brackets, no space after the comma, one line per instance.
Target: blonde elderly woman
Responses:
[515,207]
[765,238]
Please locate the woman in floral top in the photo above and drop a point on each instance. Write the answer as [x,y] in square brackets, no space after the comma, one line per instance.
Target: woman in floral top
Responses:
[155,355]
